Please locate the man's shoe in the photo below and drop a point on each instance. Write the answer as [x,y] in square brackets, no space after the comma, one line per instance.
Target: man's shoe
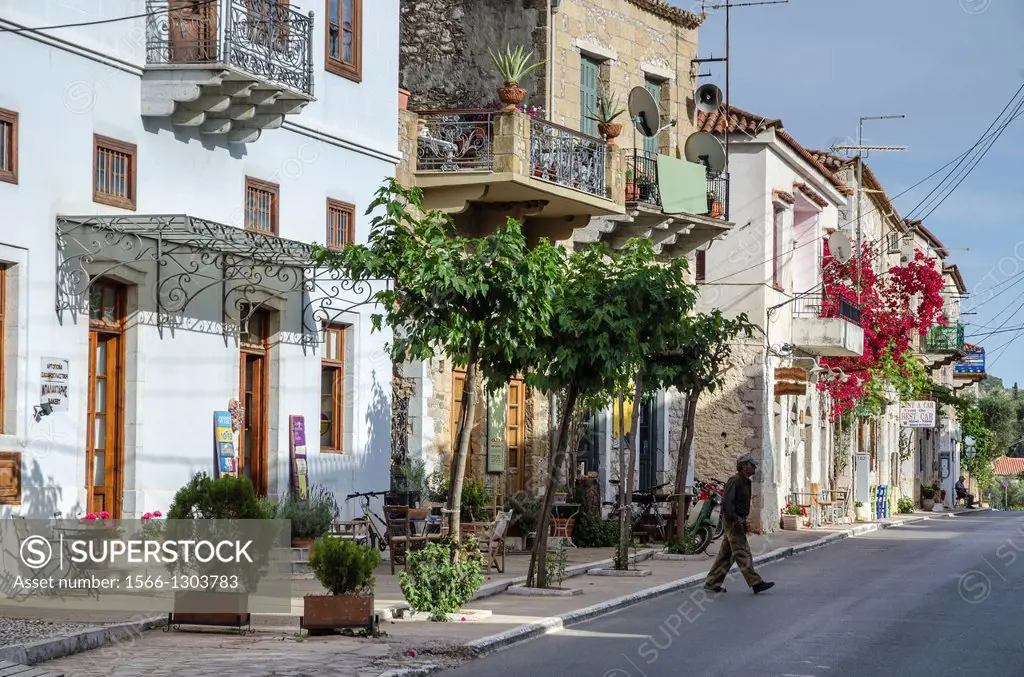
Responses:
[716,588]
[762,586]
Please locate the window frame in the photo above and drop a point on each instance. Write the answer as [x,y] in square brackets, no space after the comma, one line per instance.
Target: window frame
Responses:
[777,226]
[4,268]
[338,368]
[10,117]
[131,150]
[337,65]
[252,183]
[349,210]
[700,266]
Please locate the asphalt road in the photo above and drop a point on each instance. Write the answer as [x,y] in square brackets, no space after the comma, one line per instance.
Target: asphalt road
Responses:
[940,597]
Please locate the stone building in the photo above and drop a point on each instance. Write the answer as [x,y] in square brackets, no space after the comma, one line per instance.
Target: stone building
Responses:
[548,167]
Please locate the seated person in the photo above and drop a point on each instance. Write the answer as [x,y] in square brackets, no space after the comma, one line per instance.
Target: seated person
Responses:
[961,490]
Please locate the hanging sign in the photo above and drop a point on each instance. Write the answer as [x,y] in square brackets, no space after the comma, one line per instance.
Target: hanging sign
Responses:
[497,430]
[54,377]
[917,414]
[225,458]
[297,443]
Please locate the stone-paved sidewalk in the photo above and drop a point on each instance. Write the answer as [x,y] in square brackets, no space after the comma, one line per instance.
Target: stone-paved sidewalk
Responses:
[416,644]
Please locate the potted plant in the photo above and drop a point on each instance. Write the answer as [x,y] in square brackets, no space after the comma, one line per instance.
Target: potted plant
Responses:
[927,497]
[793,517]
[860,511]
[311,518]
[715,207]
[645,186]
[561,492]
[525,510]
[513,66]
[345,569]
[605,114]
[632,192]
[473,507]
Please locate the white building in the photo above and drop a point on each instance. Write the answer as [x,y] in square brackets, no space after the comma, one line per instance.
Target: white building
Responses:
[784,203]
[161,180]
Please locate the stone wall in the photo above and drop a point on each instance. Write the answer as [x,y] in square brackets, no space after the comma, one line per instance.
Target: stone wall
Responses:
[442,38]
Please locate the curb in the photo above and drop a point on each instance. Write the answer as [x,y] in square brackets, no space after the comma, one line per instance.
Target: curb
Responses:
[503,640]
[52,648]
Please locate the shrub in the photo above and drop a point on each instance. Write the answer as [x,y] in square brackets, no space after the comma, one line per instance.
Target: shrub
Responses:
[905,505]
[593,532]
[474,499]
[344,567]
[928,491]
[435,585]
[556,564]
[312,518]
[222,498]
[525,509]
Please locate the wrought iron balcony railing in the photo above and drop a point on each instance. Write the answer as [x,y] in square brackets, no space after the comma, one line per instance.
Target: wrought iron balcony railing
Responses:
[642,178]
[455,141]
[818,305]
[568,158]
[265,38]
[718,195]
[945,339]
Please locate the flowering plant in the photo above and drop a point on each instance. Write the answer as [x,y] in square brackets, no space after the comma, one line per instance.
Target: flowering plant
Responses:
[797,510]
[151,515]
[894,305]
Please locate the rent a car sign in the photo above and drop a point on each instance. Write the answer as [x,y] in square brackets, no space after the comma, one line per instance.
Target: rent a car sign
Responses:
[917,414]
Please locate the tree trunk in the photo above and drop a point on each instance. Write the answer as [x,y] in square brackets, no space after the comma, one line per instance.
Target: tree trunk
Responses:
[458,467]
[538,571]
[683,463]
[620,562]
[625,517]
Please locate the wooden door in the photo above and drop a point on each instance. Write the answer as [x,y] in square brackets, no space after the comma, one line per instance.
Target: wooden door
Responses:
[104,457]
[253,379]
[515,463]
[192,31]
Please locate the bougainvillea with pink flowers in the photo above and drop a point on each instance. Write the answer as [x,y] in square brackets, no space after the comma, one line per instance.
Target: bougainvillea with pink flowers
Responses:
[903,300]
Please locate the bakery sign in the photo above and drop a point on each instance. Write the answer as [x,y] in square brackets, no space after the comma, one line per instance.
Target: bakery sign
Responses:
[917,414]
[55,378]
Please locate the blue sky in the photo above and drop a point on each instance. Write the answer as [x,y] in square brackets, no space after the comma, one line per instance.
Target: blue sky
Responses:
[950,66]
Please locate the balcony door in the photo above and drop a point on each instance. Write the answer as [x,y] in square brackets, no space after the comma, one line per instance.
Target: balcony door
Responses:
[191,31]
[104,453]
[254,384]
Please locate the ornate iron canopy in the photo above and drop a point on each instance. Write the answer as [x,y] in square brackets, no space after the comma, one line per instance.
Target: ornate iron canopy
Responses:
[184,265]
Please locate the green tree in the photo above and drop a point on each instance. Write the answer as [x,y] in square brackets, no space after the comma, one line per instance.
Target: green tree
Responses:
[1000,412]
[484,303]
[694,365]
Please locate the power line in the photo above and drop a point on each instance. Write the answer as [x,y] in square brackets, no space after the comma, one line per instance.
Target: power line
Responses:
[97,22]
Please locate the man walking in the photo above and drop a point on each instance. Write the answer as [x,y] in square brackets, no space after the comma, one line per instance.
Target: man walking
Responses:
[734,548]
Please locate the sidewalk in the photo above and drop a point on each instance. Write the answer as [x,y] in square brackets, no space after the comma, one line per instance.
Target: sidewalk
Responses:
[417,646]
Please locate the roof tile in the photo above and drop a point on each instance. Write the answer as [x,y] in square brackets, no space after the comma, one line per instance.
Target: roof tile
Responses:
[1009,467]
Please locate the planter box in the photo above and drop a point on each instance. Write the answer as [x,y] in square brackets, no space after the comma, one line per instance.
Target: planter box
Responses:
[792,522]
[232,609]
[327,613]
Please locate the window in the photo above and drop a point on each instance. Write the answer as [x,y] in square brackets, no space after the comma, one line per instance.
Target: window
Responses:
[776,243]
[345,38]
[341,224]
[590,78]
[114,172]
[651,145]
[332,389]
[261,206]
[10,478]
[3,342]
[700,266]
[8,146]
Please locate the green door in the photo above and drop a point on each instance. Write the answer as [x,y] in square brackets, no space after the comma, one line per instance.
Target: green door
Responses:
[590,71]
[651,143]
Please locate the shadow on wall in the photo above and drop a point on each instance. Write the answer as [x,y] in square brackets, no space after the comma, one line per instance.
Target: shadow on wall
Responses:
[41,496]
[365,469]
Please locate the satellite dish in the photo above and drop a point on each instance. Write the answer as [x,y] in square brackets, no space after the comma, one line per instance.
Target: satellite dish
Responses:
[839,246]
[644,112]
[706,149]
[708,98]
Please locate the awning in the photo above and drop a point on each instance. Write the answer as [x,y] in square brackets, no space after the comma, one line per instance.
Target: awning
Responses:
[192,273]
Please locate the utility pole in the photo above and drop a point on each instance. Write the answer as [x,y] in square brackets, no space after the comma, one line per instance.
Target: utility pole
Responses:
[728,31]
[862,151]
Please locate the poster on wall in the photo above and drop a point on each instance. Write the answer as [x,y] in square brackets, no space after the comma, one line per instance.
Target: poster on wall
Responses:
[225,459]
[497,430]
[297,442]
[54,379]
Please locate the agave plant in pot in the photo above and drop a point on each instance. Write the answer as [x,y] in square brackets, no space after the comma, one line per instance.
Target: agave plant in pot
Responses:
[345,569]
[604,114]
[513,66]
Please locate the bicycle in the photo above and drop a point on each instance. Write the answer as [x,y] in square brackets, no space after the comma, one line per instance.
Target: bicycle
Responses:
[641,511]
[378,538]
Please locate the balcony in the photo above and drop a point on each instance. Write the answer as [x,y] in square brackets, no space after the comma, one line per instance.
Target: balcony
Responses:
[971,367]
[945,339]
[675,233]
[826,327]
[483,166]
[227,68]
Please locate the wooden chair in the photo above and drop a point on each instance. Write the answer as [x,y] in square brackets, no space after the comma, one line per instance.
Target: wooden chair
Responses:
[825,504]
[400,536]
[351,530]
[840,503]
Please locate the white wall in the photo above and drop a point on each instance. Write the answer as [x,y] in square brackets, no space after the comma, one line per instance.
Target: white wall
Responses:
[341,146]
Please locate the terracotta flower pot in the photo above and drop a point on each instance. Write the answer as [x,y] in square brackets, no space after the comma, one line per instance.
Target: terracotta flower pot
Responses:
[511,96]
[717,210]
[609,130]
[403,99]
[632,192]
